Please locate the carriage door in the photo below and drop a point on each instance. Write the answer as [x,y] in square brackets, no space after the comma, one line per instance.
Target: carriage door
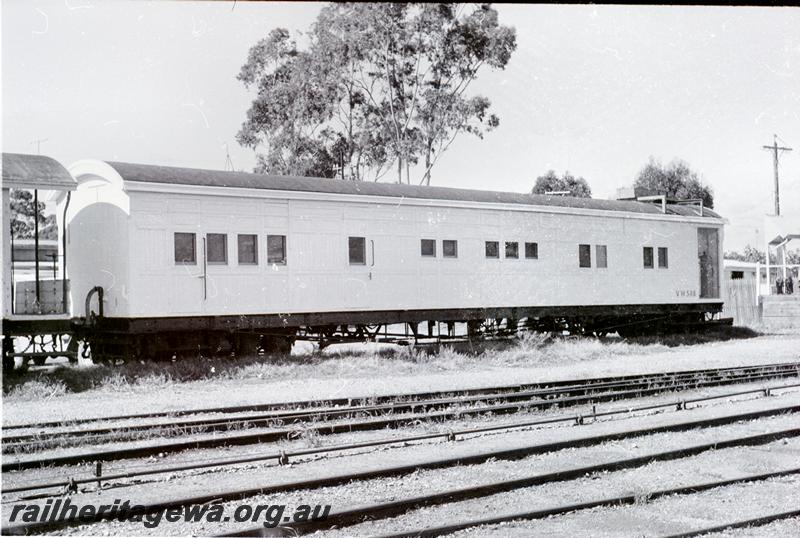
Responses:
[708,258]
[185,294]
[361,260]
[214,249]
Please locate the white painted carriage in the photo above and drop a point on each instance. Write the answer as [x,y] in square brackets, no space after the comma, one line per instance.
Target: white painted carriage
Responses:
[180,258]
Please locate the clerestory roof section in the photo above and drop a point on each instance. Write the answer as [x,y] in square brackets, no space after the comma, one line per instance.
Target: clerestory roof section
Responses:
[146,173]
[23,171]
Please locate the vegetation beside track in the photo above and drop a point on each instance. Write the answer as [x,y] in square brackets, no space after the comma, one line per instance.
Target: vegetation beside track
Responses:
[528,349]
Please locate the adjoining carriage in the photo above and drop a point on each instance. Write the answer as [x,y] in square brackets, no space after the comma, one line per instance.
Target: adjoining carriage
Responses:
[35,291]
[185,260]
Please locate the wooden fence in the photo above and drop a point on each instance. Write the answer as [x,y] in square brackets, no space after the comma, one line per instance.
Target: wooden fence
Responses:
[740,302]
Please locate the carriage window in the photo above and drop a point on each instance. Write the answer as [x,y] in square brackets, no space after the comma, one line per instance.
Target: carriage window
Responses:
[584,255]
[450,248]
[737,275]
[185,248]
[428,248]
[532,251]
[248,249]
[662,257]
[512,249]
[601,256]
[276,249]
[492,249]
[357,247]
[647,254]
[217,245]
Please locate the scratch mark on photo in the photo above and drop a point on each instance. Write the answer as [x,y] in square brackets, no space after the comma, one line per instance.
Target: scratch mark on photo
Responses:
[46,23]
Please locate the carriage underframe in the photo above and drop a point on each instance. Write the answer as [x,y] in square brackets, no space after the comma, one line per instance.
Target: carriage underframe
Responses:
[170,338]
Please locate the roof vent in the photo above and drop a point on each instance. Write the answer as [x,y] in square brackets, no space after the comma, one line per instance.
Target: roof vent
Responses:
[663,200]
[625,193]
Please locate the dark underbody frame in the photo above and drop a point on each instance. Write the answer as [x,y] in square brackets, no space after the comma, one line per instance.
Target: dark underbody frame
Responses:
[156,338]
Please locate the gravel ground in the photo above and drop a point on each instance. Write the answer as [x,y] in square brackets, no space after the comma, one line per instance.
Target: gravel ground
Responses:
[372,375]
[670,515]
[786,527]
[646,518]
[384,489]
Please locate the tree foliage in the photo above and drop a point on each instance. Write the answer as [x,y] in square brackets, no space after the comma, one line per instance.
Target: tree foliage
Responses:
[23,214]
[676,180]
[378,85]
[752,254]
[550,182]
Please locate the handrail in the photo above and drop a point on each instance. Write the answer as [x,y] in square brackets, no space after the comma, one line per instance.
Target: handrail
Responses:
[99,291]
[64,295]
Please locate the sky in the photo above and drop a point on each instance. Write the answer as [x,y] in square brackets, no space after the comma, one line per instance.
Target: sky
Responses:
[593,90]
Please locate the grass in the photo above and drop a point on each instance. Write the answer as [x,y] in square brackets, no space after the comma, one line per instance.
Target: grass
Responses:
[524,350]
[720,334]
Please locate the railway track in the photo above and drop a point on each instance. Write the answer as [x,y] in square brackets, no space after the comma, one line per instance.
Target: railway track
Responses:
[285,456]
[564,395]
[348,517]
[754,522]
[578,386]
[548,512]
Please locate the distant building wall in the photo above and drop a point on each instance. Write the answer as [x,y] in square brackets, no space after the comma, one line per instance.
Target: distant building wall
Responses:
[739,293]
[781,311]
[741,302]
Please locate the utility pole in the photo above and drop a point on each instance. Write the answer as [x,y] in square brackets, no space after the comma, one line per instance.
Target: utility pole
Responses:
[775,148]
[38,143]
[228,160]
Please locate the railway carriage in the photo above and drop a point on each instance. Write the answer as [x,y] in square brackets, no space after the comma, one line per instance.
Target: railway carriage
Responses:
[185,259]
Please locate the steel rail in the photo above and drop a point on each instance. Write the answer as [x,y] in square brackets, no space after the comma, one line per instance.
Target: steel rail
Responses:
[224,424]
[400,470]
[334,402]
[409,406]
[284,456]
[612,501]
[360,514]
[755,522]
[329,429]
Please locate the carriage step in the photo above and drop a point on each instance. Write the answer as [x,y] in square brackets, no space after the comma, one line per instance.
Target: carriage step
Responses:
[39,354]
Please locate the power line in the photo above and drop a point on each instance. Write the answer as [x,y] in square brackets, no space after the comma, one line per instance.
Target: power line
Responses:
[775,148]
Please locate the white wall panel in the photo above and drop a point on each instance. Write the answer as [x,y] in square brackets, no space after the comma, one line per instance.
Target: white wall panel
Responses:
[318,277]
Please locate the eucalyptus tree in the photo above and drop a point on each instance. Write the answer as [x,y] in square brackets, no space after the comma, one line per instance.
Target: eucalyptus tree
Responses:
[676,180]
[550,182]
[377,86]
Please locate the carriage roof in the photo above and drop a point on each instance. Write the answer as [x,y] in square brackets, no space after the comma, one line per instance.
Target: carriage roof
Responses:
[214,178]
[22,171]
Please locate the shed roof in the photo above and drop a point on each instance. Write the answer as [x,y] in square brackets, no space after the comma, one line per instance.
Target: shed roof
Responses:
[779,239]
[214,178]
[739,264]
[22,171]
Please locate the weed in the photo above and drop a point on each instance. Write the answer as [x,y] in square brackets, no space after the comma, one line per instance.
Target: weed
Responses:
[39,388]
[526,349]
[308,435]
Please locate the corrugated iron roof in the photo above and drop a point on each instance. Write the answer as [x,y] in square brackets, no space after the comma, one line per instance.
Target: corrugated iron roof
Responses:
[22,171]
[214,178]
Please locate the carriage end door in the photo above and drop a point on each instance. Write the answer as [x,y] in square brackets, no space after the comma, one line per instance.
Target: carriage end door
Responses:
[708,258]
